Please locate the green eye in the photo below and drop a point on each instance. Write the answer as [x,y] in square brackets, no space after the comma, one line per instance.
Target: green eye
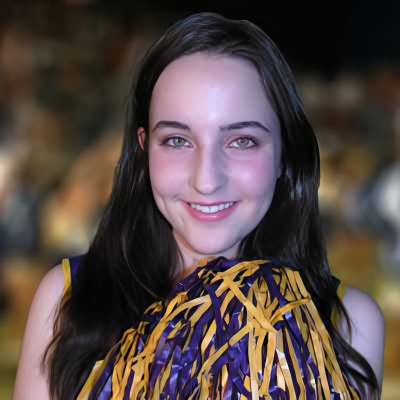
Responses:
[176,142]
[243,142]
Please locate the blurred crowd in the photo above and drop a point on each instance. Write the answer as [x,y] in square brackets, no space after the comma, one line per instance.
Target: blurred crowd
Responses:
[64,76]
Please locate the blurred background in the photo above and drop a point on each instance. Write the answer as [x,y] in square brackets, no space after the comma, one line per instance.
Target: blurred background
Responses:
[65,72]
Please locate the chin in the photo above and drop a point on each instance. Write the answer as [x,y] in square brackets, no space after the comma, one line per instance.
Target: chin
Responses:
[212,250]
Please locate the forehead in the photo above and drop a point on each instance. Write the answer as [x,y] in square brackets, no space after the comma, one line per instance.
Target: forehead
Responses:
[222,83]
[219,67]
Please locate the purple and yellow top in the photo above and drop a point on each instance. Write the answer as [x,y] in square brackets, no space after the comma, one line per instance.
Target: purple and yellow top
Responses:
[229,330]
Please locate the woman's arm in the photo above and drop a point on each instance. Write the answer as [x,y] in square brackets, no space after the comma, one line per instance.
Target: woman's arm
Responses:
[368,328]
[31,380]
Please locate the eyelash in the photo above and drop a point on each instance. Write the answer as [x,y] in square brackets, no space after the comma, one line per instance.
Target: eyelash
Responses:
[168,142]
[250,138]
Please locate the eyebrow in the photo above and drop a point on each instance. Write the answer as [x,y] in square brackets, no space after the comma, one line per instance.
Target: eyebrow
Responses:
[171,124]
[223,128]
[244,124]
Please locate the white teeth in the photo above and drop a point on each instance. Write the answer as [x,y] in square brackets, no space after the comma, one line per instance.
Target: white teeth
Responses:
[211,209]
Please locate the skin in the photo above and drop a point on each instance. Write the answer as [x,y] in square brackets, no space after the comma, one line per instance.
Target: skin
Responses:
[200,155]
[31,380]
[368,328]
[214,140]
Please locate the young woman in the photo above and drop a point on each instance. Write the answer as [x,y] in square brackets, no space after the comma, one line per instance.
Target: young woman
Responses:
[208,276]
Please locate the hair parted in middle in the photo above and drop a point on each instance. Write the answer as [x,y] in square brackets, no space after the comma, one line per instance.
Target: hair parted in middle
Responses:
[293,217]
[133,257]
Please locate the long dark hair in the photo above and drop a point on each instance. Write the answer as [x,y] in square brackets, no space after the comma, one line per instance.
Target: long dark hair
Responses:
[132,258]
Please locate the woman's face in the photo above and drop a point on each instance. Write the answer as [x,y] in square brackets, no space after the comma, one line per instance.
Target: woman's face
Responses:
[214,152]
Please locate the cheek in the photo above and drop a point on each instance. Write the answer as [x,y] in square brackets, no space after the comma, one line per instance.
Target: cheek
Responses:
[258,178]
[157,172]
[165,174]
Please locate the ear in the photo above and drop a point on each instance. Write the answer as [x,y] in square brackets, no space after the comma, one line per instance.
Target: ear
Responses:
[141,136]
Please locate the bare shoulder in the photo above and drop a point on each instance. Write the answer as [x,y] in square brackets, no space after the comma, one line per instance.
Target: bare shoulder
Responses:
[361,304]
[52,285]
[368,327]
[31,379]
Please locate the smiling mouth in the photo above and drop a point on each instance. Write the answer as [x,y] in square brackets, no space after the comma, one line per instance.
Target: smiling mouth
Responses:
[211,209]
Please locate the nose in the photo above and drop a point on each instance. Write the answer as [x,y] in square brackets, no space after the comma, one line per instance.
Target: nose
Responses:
[208,171]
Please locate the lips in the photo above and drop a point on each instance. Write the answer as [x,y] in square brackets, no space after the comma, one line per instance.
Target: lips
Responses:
[212,208]
[211,212]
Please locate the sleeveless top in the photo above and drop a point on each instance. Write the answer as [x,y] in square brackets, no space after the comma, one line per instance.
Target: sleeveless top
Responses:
[229,330]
